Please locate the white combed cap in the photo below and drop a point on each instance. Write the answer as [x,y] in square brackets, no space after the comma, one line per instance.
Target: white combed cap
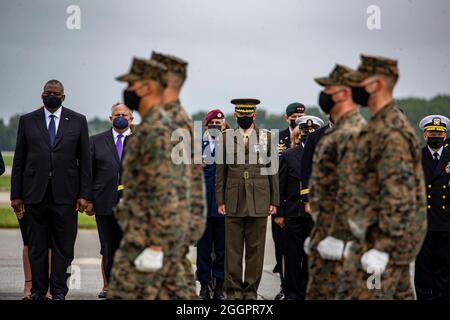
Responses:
[435,122]
[304,119]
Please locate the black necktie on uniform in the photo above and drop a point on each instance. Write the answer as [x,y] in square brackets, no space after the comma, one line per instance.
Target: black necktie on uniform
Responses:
[435,160]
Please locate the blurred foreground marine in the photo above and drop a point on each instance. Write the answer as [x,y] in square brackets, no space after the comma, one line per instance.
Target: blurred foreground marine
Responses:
[147,264]
[432,274]
[191,190]
[247,192]
[328,196]
[386,190]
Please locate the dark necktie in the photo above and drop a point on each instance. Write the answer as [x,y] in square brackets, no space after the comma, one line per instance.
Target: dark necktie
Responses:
[435,159]
[52,129]
[119,146]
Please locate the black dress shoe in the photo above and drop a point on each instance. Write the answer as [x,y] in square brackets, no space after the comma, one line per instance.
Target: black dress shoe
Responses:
[205,292]
[36,296]
[102,294]
[218,290]
[58,297]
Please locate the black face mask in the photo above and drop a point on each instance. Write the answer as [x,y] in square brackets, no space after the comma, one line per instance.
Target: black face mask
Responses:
[360,96]
[245,122]
[51,102]
[292,124]
[131,99]
[435,142]
[326,102]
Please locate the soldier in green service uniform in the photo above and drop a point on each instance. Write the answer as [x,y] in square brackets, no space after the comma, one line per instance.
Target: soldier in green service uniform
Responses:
[191,191]
[147,265]
[247,192]
[328,198]
[387,189]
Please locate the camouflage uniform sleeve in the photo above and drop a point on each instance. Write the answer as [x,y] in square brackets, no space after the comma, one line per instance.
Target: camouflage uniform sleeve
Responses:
[155,218]
[396,173]
[323,186]
[198,208]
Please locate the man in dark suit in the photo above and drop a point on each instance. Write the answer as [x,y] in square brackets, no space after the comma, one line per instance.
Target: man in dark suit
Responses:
[432,275]
[107,152]
[293,111]
[211,246]
[51,180]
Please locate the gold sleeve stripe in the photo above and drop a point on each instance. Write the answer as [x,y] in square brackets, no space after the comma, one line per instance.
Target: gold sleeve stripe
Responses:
[304,191]
[120,187]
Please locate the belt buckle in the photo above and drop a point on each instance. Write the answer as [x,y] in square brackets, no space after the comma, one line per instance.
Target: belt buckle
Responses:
[246,175]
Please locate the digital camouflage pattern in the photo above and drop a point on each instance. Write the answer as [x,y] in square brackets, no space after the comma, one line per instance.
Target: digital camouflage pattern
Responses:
[329,201]
[371,66]
[336,77]
[173,63]
[150,214]
[136,70]
[191,193]
[387,189]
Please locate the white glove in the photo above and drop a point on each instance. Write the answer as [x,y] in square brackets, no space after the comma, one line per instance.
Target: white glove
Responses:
[374,260]
[331,248]
[149,260]
[306,246]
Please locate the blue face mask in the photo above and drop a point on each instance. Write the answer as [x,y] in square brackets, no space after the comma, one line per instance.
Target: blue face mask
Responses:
[120,123]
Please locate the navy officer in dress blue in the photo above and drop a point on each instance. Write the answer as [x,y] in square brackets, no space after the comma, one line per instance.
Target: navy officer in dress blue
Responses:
[432,274]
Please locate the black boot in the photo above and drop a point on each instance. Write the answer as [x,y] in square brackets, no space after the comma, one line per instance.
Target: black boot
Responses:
[218,290]
[205,292]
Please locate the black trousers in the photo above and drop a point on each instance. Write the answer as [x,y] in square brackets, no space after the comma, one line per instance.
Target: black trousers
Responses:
[278,236]
[212,241]
[432,274]
[296,230]
[110,236]
[51,225]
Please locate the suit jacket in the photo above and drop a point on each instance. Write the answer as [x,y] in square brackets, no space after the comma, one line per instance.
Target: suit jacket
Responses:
[67,163]
[307,158]
[285,137]
[2,165]
[240,185]
[106,172]
[209,171]
[438,189]
[290,178]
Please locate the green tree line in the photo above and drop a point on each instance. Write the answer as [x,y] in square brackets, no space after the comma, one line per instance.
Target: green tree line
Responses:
[414,108]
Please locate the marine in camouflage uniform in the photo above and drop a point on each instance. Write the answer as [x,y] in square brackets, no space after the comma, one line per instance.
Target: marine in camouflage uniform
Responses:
[329,198]
[387,188]
[191,191]
[149,212]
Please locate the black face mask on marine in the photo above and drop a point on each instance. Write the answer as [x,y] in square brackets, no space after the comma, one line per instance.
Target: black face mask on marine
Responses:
[131,99]
[326,102]
[360,96]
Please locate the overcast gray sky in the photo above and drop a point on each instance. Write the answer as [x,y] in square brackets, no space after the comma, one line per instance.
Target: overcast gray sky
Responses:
[266,49]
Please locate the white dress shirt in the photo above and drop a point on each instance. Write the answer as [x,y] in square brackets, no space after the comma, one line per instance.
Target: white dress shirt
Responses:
[438,151]
[57,115]
[116,134]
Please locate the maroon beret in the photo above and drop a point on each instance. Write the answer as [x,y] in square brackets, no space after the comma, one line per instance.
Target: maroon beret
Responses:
[214,114]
